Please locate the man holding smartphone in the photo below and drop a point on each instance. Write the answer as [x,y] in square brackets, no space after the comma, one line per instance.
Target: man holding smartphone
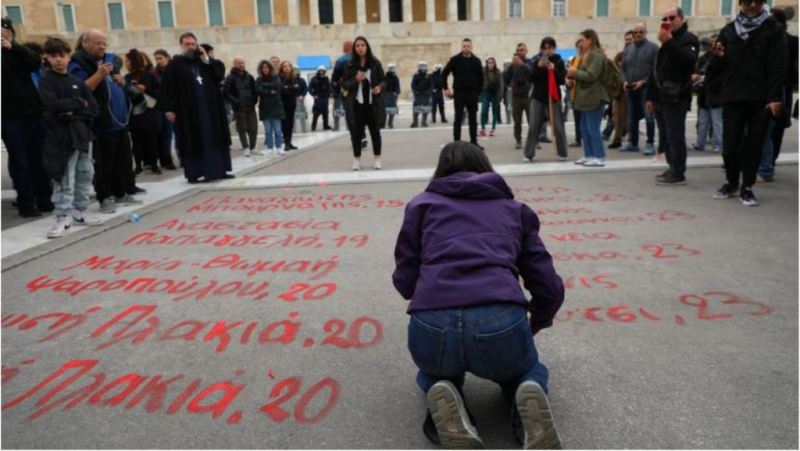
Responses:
[638,60]
[669,92]
[191,98]
[751,57]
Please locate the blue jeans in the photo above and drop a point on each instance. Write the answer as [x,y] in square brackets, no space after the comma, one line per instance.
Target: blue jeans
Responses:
[486,101]
[767,166]
[74,188]
[272,127]
[709,117]
[637,111]
[590,132]
[490,341]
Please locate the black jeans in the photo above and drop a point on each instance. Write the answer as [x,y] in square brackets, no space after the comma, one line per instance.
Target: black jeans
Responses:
[247,127]
[470,102]
[24,138]
[113,171]
[364,117]
[671,120]
[145,147]
[288,122]
[744,127]
[783,124]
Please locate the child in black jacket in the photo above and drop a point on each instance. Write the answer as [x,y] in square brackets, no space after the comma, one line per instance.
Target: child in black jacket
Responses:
[69,109]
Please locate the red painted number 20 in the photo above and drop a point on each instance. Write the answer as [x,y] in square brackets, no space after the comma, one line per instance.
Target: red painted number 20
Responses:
[286,389]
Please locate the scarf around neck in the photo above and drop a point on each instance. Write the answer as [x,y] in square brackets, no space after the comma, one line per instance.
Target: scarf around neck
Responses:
[745,25]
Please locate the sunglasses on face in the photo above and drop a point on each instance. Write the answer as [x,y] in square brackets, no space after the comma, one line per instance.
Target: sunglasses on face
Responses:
[668,18]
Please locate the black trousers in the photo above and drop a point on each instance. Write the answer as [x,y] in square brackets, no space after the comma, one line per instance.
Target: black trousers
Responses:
[470,102]
[113,171]
[287,126]
[364,117]
[24,139]
[744,127]
[146,147]
[247,127]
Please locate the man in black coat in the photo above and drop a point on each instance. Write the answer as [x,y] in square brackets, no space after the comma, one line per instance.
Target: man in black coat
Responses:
[751,57]
[669,91]
[320,88]
[467,84]
[191,98]
[789,87]
[23,134]
[240,91]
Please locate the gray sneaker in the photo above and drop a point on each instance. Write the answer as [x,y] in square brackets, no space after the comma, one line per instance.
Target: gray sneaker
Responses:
[537,421]
[80,218]
[128,200]
[108,206]
[450,416]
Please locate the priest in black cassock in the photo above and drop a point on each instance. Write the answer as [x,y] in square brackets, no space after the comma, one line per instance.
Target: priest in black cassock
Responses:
[191,99]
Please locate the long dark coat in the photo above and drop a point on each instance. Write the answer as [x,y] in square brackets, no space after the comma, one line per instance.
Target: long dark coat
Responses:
[177,96]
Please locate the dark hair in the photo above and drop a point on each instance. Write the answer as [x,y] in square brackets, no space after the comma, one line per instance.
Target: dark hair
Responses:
[56,46]
[466,40]
[137,62]
[629,32]
[161,52]
[261,65]
[548,41]
[496,69]
[355,60]
[35,46]
[591,34]
[207,47]
[188,34]
[461,156]
[780,15]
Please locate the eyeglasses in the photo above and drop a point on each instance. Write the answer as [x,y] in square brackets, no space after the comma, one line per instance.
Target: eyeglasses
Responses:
[668,18]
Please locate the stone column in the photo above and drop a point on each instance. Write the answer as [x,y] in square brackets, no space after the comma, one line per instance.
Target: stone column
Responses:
[475,10]
[452,11]
[497,14]
[408,13]
[384,10]
[313,10]
[293,7]
[361,11]
[430,10]
[338,17]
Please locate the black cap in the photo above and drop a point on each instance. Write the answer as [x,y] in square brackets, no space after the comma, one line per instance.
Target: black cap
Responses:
[6,23]
[207,47]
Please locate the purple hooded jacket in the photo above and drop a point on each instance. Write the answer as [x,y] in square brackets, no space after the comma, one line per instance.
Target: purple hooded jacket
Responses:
[465,241]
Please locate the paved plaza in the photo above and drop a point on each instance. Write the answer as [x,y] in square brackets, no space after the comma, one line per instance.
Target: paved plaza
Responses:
[259,312]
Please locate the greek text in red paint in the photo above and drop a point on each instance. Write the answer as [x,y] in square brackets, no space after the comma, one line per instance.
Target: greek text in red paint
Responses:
[288,240]
[657,251]
[72,385]
[315,269]
[139,324]
[708,306]
[193,288]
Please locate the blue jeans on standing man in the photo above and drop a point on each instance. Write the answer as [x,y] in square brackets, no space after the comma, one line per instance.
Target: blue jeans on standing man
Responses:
[709,117]
[637,111]
[492,341]
[767,166]
[272,127]
[590,132]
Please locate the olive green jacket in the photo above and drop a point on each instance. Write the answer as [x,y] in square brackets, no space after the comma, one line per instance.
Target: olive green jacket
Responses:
[589,90]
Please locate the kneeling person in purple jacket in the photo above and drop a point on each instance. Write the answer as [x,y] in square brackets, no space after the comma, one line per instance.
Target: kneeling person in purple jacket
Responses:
[463,245]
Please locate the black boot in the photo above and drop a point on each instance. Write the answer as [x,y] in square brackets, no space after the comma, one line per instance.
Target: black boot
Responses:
[414,123]
[424,119]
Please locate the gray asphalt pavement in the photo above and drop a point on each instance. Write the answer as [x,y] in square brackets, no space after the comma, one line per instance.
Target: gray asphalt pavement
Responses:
[266,318]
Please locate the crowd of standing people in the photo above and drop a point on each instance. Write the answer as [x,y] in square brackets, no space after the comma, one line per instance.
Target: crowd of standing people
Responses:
[743,78]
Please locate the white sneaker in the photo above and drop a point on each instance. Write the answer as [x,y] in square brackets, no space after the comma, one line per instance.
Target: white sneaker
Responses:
[536,417]
[356,165]
[61,225]
[595,162]
[377,164]
[581,160]
[80,218]
[527,160]
[246,152]
[560,158]
[281,151]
